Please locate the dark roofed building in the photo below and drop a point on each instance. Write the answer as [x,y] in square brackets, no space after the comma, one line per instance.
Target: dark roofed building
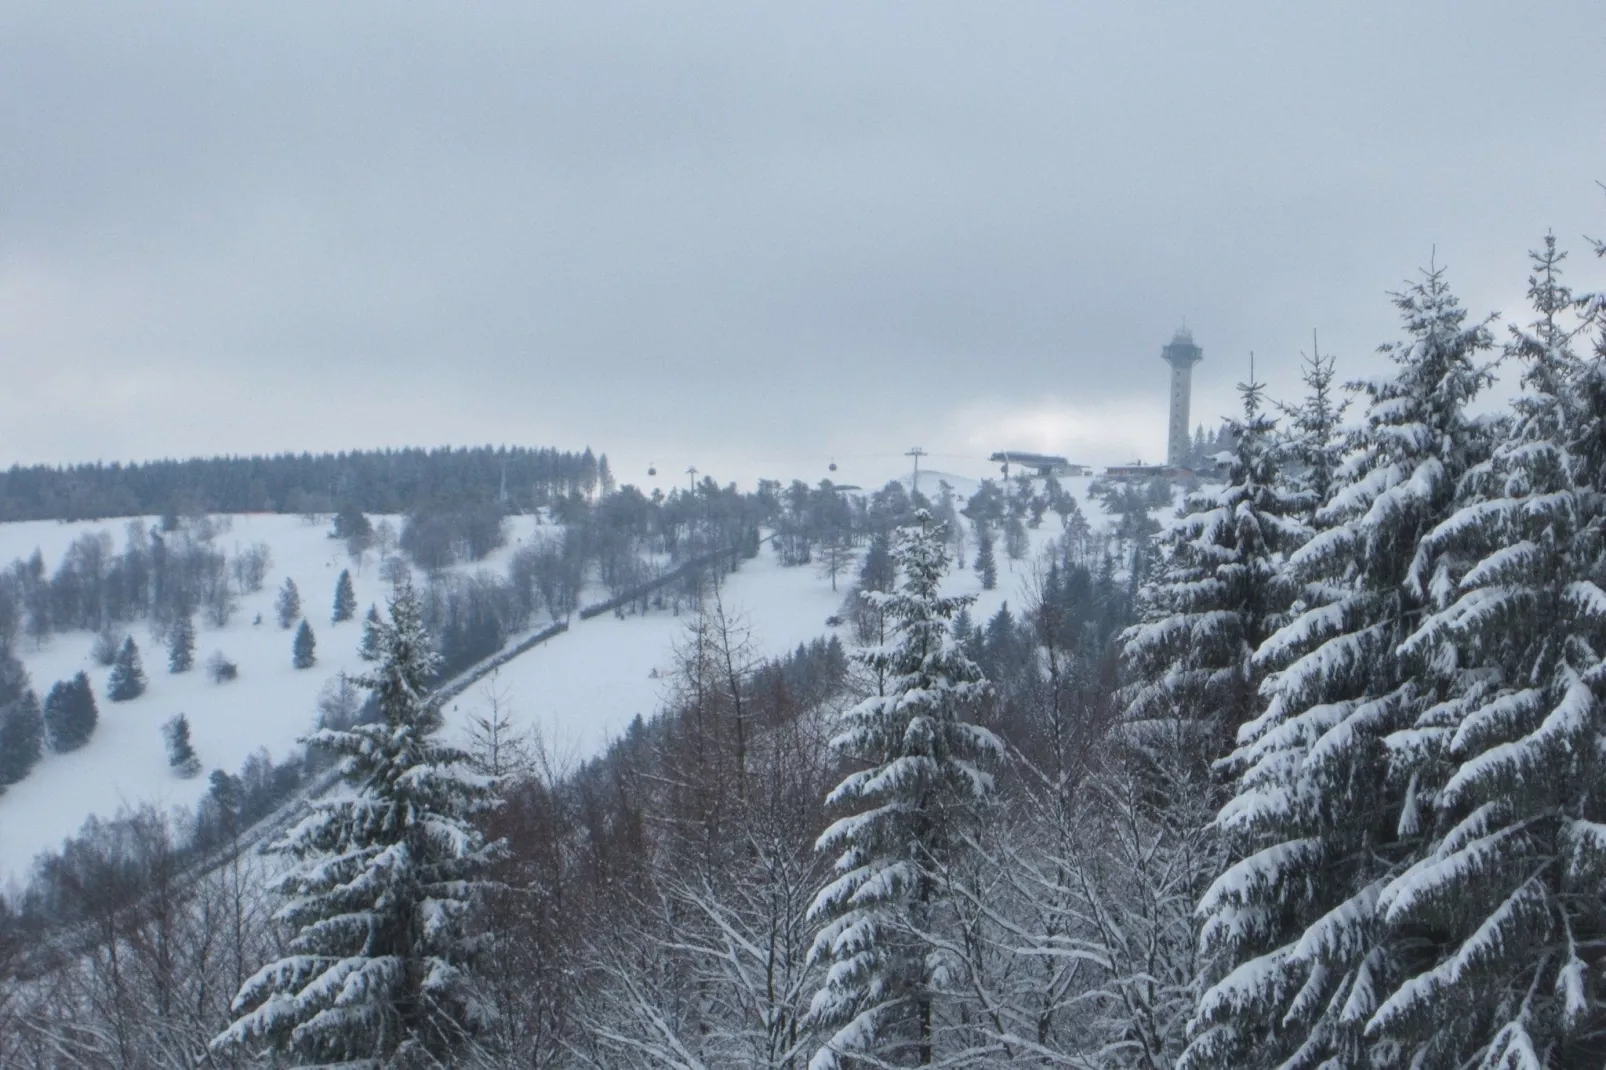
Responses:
[1043,463]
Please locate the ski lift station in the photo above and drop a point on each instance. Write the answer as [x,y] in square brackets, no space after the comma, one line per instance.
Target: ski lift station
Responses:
[1044,464]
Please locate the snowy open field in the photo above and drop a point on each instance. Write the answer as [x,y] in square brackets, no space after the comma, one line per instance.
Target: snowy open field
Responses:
[577,691]
[269,706]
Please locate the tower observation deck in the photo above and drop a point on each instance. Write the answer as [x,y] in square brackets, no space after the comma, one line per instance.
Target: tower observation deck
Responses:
[1182,355]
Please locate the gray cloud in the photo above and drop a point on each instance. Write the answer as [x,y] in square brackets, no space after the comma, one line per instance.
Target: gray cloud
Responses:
[743,236]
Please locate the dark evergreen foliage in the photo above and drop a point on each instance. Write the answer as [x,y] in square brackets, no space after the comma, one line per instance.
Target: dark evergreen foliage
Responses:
[351,523]
[303,650]
[878,573]
[70,714]
[1315,443]
[1214,597]
[287,607]
[986,562]
[987,506]
[22,726]
[1322,823]
[181,645]
[914,790]
[345,598]
[1016,541]
[368,650]
[383,890]
[181,755]
[127,679]
[436,537]
[471,633]
[371,481]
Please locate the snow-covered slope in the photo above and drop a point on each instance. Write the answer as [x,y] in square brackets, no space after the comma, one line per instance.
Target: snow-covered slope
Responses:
[582,689]
[269,706]
[577,691]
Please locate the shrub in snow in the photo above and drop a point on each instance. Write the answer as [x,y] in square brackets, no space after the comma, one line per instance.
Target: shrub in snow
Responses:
[251,566]
[221,669]
[104,650]
[339,703]
[394,570]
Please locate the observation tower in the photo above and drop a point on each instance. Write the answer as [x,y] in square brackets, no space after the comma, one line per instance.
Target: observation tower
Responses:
[1182,355]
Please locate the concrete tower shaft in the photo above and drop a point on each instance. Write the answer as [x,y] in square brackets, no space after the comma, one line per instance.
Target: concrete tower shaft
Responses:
[1182,355]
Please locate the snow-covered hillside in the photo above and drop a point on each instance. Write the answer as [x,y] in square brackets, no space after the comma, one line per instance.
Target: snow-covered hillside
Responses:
[269,706]
[577,691]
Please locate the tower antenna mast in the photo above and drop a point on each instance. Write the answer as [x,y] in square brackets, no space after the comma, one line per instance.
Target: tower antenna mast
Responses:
[916,452]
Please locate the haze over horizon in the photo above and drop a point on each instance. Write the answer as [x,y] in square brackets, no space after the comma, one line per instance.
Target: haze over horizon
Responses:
[748,239]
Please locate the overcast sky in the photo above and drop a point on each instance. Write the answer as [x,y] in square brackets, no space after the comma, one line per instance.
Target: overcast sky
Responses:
[749,236]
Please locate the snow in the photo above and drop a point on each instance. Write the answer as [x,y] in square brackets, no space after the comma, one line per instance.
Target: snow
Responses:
[270,706]
[578,691]
[125,763]
[582,689]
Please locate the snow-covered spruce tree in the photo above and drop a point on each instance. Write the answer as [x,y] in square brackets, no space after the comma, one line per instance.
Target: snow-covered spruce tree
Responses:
[986,562]
[345,598]
[1505,910]
[1016,542]
[379,972]
[181,644]
[1588,438]
[287,606]
[22,725]
[1214,596]
[127,678]
[1316,820]
[70,713]
[911,800]
[368,648]
[304,647]
[1314,444]
[181,756]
